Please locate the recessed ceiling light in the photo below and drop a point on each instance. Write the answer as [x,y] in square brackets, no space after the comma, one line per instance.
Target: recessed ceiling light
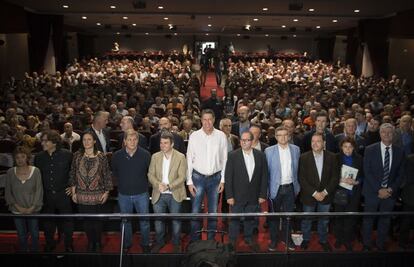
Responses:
[175,34]
[238,34]
[134,24]
[125,17]
[165,18]
[84,17]
[209,25]
[209,17]
[118,33]
[113,7]
[267,35]
[294,36]
[311,9]
[334,20]
[160,7]
[265,9]
[255,19]
[146,33]
[206,34]
[98,23]
[318,27]
[356,10]
[65,6]
[283,26]
[295,20]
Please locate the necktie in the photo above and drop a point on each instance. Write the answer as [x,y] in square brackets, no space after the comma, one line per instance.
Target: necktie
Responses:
[384,182]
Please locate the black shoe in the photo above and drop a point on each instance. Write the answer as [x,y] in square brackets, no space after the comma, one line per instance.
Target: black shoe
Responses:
[253,246]
[146,249]
[157,248]
[338,244]
[304,245]
[272,247]
[91,247]
[69,248]
[381,248]
[98,247]
[50,248]
[326,246]
[366,248]
[348,247]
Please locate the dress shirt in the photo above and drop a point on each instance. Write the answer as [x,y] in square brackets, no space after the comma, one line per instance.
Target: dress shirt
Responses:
[207,154]
[70,139]
[258,146]
[229,144]
[286,165]
[165,171]
[383,154]
[249,161]
[101,138]
[319,163]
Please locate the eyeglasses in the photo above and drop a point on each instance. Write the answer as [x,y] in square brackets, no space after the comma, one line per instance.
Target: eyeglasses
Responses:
[245,140]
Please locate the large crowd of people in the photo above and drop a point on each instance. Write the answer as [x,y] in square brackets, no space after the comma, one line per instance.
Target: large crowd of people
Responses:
[289,135]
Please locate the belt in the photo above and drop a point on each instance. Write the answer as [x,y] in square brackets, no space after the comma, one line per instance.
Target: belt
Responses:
[286,185]
[198,173]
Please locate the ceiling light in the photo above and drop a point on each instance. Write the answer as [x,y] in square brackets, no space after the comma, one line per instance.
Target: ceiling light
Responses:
[146,33]
[283,26]
[295,20]
[294,36]
[65,6]
[98,23]
[118,33]
[311,9]
[84,17]
[175,34]
[238,34]
[125,17]
[206,34]
[209,17]
[165,18]
[334,20]
[318,27]
[170,26]
[113,7]
[209,25]
[255,19]
[267,35]
[265,9]
[160,7]
[134,24]
[247,27]
[356,10]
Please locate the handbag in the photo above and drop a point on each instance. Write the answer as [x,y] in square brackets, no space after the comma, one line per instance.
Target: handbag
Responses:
[341,197]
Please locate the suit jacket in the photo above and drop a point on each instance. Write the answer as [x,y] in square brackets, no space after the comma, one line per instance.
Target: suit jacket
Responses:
[359,140]
[309,178]
[176,177]
[237,184]
[235,128]
[374,170]
[275,169]
[154,144]
[357,163]
[397,139]
[234,141]
[407,193]
[329,139]
[98,143]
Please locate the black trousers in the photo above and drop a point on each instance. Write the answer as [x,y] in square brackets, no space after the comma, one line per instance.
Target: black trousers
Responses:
[92,227]
[344,227]
[406,222]
[58,203]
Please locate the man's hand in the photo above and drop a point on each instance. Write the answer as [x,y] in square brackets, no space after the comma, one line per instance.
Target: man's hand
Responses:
[230,201]
[221,187]
[384,193]
[162,187]
[261,200]
[68,191]
[192,189]
[319,196]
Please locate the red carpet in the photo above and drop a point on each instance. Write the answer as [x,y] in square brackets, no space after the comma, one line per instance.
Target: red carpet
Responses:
[210,84]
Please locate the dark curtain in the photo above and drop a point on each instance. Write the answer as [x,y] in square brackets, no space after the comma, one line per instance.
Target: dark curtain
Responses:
[375,34]
[85,46]
[58,42]
[353,45]
[326,48]
[39,32]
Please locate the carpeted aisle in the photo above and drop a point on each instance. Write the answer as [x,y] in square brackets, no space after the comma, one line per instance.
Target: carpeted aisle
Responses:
[210,84]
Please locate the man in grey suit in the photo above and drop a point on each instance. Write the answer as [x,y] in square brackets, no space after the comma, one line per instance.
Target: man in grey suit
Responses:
[283,161]
[246,177]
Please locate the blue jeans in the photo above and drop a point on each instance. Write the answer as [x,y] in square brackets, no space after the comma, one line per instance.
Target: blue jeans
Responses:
[283,202]
[141,203]
[165,202]
[23,227]
[205,185]
[249,223]
[322,223]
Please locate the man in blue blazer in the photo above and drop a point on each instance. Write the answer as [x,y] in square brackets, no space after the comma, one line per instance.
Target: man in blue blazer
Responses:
[282,161]
[382,167]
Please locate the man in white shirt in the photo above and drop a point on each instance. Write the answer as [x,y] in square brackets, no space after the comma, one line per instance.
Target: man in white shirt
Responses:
[69,135]
[283,161]
[246,186]
[206,159]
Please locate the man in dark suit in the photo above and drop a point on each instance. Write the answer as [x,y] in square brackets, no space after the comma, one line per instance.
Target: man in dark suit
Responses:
[407,196]
[256,130]
[127,122]
[350,128]
[154,144]
[318,178]
[404,135]
[246,178]
[243,122]
[98,129]
[382,168]
[320,127]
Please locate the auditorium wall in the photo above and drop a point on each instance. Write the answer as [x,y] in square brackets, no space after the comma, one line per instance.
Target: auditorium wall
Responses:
[401,58]
[14,56]
[254,44]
